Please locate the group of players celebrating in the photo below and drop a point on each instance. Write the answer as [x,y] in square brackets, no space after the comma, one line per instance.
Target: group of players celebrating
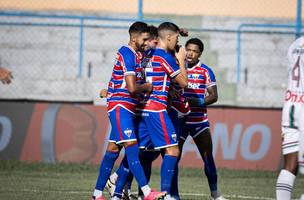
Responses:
[156,97]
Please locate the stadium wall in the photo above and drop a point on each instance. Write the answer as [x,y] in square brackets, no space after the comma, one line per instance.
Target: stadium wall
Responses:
[77,133]
[45,60]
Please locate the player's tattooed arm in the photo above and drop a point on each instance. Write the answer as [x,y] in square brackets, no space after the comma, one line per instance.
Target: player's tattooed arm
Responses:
[134,88]
[5,76]
[103,93]
[183,32]
[212,95]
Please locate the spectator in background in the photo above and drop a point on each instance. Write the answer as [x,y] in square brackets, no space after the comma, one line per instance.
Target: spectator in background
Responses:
[5,75]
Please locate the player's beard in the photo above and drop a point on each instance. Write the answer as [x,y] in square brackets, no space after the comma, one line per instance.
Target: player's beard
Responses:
[140,47]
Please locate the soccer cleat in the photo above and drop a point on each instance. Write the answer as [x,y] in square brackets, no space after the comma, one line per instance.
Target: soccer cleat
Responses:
[154,195]
[110,186]
[98,198]
[218,198]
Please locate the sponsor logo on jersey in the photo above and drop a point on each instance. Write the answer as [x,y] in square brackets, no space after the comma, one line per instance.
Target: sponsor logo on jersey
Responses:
[293,97]
[193,85]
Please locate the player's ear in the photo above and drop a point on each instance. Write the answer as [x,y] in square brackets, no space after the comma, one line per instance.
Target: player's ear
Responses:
[168,37]
[133,38]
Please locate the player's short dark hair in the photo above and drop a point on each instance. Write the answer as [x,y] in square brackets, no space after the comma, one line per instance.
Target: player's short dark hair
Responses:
[197,42]
[153,31]
[139,27]
[168,26]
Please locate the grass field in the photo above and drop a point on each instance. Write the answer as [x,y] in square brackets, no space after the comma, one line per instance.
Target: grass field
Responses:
[24,181]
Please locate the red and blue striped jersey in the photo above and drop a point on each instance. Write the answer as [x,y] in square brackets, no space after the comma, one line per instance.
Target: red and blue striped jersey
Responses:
[127,62]
[200,77]
[162,67]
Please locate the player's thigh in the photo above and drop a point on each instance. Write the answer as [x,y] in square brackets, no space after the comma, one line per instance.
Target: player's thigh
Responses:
[203,141]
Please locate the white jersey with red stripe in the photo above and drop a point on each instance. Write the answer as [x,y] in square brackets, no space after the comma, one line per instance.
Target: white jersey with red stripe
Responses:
[200,77]
[127,62]
[293,110]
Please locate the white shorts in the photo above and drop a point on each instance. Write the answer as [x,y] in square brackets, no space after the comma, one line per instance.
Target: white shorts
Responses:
[290,143]
[293,115]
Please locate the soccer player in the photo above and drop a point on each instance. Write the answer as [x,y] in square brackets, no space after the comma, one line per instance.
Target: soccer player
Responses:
[5,75]
[117,181]
[201,91]
[161,69]
[292,120]
[124,90]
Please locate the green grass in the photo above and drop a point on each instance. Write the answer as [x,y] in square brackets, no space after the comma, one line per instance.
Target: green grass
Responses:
[33,181]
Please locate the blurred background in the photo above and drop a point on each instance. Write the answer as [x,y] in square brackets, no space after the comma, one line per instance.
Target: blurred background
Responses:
[61,50]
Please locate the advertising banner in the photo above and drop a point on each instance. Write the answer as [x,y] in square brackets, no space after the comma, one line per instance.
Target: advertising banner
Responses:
[77,133]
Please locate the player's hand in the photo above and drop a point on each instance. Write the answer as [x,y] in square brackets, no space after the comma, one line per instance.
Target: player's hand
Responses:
[174,93]
[5,76]
[183,32]
[181,55]
[103,93]
[149,87]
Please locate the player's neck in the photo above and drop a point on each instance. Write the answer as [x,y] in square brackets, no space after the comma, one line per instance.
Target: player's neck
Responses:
[190,65]
[162,45]
[133,46]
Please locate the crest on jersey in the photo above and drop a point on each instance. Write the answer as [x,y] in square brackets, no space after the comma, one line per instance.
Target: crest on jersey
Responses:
[128,132]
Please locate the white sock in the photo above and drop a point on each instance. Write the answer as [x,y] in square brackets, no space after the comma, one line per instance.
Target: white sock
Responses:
[114,177]
[115,198]
[146,190]
[285,185]
[97,193]
[302,197]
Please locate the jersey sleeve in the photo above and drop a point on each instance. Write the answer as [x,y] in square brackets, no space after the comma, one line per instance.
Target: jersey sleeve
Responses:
[210,77]
[128,62]
[170,66]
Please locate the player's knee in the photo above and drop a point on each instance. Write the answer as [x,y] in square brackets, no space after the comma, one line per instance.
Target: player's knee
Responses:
[113,147]
[173,151]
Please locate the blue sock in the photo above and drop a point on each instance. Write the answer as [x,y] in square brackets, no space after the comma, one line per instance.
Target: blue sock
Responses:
[134,165]
[174,185]
[210,171]
[105,169]
[123,172]
[167,171]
